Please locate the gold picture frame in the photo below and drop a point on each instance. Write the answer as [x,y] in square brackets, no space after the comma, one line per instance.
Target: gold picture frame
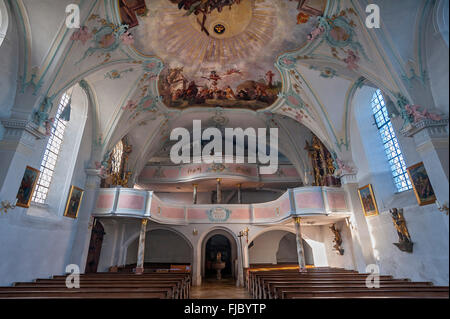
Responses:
[368,201]
[73,202]
[421,184]
[27,187]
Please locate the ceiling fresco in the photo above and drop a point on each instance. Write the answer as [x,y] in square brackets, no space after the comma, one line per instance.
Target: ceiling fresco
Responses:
[218,55]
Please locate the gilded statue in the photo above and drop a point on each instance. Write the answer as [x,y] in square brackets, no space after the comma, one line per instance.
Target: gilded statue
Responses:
[337,240]
[322,163]
[405,244]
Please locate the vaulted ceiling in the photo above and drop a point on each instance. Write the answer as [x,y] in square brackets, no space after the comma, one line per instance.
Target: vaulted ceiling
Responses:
[258,49]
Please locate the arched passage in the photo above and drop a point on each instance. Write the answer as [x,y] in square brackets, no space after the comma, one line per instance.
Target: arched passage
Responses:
[287,251]
[95,247]
[233,250]
[215,245]
[162,246]
[278,246]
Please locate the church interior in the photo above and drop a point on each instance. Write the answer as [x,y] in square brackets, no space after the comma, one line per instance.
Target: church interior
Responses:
[93,205]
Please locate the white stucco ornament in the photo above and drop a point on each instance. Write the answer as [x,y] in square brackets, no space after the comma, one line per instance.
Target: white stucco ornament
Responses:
[219,214]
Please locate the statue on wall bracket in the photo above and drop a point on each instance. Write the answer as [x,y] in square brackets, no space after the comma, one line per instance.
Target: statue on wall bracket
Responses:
[337,240]
[405,244]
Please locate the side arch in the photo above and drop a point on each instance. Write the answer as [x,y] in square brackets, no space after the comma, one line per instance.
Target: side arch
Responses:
[127,246]
[4,21]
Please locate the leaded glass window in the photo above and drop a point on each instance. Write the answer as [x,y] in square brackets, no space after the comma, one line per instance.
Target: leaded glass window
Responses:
[51,154]
[390,142]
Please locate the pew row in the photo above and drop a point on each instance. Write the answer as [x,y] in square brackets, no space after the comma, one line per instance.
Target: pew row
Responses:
[334,283]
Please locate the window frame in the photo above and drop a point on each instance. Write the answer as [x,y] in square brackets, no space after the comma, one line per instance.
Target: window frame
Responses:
[393,152]
[51,154]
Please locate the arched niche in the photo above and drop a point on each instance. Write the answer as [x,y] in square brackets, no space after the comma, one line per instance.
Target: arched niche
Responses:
[287,251]
[266,244]
[162,246]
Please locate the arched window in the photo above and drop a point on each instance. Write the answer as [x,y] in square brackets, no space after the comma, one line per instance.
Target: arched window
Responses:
[390,142]
[51,153]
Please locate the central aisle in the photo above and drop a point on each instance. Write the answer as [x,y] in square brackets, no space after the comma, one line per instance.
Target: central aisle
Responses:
[224,289]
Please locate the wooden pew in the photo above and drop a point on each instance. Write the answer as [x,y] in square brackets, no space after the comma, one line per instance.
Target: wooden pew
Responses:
[105,285]
[373,293]
[185,277]
[275,289]
[262,279]
[88,294]
[335,283]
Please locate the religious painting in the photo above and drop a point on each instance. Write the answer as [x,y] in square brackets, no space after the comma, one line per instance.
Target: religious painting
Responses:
[27,186]
[229,89]
[421,184]
[221,53]
[368,201]
[73,202]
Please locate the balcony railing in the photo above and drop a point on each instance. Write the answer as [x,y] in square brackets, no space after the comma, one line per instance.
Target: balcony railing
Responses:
[302,201]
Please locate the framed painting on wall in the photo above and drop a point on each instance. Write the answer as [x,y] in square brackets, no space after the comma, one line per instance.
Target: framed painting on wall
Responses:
[368,201]
[74,202]
[27,186]
[421,184]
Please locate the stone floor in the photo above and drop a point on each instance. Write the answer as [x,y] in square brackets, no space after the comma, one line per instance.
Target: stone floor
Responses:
[214,289]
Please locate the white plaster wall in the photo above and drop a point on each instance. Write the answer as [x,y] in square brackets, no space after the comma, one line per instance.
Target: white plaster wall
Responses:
[427,226]
[9,63]
[437,67]
[429,260]
[32,247]
[37,242]
[333,257]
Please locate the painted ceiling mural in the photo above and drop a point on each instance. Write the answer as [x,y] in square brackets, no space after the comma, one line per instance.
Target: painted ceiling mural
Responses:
[218,55]
[182,57]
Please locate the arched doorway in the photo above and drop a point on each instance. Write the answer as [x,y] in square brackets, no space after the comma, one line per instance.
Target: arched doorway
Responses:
[224,241]
[216,244]
[95,247]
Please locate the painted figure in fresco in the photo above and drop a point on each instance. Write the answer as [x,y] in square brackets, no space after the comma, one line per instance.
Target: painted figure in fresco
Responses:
[269,77]
[180,91]
[351,60]
[176,82]
[214,78]
[230,93]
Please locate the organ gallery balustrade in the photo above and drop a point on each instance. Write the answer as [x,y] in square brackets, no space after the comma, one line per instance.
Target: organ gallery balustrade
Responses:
[302,201]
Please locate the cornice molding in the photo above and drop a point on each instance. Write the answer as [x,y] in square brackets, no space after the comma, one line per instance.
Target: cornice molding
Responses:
[31,128]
